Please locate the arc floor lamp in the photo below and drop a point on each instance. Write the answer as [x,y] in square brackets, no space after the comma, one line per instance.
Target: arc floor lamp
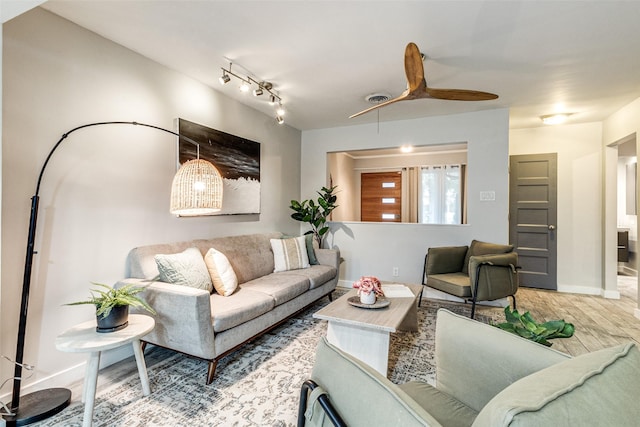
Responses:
[196,190]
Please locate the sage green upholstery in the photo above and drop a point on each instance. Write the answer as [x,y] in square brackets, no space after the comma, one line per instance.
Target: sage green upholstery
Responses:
[485,377]
[454,269]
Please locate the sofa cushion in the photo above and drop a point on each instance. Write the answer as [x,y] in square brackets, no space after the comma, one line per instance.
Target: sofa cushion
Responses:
[483,248]
[289,254]
[311,252]
[457,284]
[250,255]
[222,275]
[281,288]
[242,306]
[318,275]
[598,388]
[445,408]
[185,268]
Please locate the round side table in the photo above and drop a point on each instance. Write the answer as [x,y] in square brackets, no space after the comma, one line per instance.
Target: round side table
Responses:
[83,338]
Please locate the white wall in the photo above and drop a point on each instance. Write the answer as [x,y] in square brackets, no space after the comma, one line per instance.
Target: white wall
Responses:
[106,189]
[579,227]
[374,249]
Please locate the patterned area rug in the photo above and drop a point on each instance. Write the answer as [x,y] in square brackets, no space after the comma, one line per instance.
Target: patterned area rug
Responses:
[257,385]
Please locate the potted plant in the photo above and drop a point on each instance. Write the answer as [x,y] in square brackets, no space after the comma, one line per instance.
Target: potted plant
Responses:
[369,289]
[112,305]
[525,326]
[316,214]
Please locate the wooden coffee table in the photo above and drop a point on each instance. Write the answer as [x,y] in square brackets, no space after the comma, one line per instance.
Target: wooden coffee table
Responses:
[365,333]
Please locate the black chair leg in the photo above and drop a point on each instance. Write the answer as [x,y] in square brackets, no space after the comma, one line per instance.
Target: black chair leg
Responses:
[514,302]
[420,296]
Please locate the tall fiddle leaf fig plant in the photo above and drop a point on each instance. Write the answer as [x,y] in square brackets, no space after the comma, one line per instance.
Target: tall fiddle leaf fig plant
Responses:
[316,213]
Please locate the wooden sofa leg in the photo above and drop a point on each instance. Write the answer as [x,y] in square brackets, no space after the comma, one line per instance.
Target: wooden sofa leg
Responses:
[330,296]
[143,345]
[212,371]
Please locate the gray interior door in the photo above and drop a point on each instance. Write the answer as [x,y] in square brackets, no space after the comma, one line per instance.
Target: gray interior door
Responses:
[532,217]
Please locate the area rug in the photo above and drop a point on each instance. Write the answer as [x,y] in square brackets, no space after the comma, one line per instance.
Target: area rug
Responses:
[257,385]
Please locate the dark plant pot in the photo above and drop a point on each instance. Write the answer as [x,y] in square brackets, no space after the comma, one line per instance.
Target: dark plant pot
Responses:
[116,320]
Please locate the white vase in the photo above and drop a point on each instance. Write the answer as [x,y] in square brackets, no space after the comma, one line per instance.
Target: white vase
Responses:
[369,298]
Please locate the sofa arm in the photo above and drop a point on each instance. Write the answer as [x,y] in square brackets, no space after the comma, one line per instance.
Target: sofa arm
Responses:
[444,259]
[183,319]
[498,275]
[328,257]
[475,361]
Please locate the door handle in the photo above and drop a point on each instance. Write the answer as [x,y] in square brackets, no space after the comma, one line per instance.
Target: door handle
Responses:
[552,227]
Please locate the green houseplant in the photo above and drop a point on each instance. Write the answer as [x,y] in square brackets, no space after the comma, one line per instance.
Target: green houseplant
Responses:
[112,305]
[316,213]
[525,326]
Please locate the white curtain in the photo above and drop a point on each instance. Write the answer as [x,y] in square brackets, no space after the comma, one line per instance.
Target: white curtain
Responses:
[441,195]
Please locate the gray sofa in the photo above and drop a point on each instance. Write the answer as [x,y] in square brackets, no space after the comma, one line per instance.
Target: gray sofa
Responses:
[485,377]
[208,325]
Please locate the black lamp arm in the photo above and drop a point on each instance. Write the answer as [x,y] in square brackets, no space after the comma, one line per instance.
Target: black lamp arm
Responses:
[26,280]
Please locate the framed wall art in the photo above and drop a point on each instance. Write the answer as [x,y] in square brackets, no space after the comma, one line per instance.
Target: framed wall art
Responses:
[237,159]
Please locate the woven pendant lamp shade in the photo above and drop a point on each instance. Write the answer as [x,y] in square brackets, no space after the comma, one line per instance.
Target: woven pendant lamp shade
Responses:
[196,189]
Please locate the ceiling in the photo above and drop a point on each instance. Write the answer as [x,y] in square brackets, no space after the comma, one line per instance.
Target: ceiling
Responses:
[324,57]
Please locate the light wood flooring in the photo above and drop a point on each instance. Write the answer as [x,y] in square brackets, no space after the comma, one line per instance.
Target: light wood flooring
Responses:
[599,322]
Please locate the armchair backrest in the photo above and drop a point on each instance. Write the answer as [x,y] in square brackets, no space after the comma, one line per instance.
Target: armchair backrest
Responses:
[498,276]
[483,248]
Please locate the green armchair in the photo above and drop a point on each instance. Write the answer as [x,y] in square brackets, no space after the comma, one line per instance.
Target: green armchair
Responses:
[479,272]
[485,377]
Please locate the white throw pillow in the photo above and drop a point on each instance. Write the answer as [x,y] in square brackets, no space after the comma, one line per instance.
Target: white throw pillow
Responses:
[185,268]
[222,275]
[289,254]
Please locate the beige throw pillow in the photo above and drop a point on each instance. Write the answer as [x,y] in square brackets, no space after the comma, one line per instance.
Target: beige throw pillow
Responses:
[222,275]
[185,268]
[289,254]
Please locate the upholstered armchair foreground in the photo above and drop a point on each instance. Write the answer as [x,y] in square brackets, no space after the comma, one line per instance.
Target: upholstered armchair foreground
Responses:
[485,377]
[479,272]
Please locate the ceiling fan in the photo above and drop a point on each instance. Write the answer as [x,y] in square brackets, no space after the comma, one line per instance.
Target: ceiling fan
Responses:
[417,85]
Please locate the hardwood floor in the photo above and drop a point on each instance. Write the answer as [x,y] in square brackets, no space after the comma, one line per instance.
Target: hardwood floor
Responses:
[599,322]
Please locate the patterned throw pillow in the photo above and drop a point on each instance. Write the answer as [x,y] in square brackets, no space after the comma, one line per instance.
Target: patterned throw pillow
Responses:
[186,268]
[289,254]
[222,275]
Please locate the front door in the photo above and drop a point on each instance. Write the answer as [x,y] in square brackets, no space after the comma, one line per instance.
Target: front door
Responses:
[532,217]
[381,197]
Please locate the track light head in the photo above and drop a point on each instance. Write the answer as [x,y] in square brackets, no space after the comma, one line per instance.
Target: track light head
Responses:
[272,100]
[279,119]
[224,78]
[258,92]
[280,111]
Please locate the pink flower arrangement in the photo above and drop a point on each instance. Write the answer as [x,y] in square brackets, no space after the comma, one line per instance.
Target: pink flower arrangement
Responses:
[368,284]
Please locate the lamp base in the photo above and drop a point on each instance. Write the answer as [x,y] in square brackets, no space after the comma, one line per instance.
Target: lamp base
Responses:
[38,406]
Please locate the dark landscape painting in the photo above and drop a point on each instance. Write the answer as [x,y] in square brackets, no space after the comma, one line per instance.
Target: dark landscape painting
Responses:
[237,159]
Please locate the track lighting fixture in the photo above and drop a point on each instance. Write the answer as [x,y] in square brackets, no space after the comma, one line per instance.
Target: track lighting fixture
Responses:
[260,87]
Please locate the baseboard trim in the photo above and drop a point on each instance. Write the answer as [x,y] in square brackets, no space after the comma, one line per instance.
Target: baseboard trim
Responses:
[572,289]
[609,294]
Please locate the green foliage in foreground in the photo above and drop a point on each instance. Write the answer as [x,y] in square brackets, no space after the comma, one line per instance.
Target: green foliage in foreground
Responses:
[525,326]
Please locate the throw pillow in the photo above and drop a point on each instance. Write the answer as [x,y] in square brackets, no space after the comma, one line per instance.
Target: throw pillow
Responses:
[311,253]
[289,254]
[222,275]
[186,268]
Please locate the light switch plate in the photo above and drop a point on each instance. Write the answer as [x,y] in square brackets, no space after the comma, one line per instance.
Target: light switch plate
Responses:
[487,196]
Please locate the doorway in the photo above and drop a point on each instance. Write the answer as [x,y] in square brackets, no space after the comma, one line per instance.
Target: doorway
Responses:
[627,219]
[533,217]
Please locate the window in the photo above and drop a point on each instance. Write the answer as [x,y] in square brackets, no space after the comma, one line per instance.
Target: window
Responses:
[441,194]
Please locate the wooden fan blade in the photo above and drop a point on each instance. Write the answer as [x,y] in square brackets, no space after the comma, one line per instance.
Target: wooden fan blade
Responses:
[413,68]
[404,96]
[459,94]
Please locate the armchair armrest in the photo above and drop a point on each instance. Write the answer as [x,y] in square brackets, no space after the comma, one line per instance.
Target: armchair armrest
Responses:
[497,276]
[183,319]
[444,259]
[475,361]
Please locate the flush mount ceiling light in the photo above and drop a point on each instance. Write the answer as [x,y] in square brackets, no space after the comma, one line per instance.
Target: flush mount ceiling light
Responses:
[555,119]
[261,87]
